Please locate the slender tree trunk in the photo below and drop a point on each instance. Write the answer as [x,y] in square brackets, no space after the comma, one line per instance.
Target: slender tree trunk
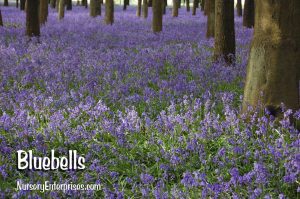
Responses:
[139,8]
[17,3]
[187,5]
[95,8]
[43,12]
[149,3]
[206,8]
[5,3]
[77,3]
[239,8]
[179,3]
[22,4]
[202,5]
[69,5]
[157,16]
[1,22]
[194,7]
[145,9]
[175,8]
[32,18]
[52,3]
[124,4]
[224,31]
[57,5]
[248,19]
[109,12]
[211,19]
[164,6]
[273,66]
[61,9]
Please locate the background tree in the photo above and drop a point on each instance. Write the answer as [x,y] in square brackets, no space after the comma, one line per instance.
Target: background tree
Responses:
[1,22]
[175,8]
[52,3]
[274,61]
[157,15]
[194,7]
[109,12]
[17,3]
[210,19]
[22,4]
[248,19]
[239,8]
[32,18]
[187,5]
[95,8]
[224,31]
[145,9]
[124,4]
[5,3]
[61,9]
[139,8]
[69,4]
[149,3]
[43,12]
[206,8]
[202,5]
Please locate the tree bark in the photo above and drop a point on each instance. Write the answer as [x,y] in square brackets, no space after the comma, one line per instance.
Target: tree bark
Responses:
[61,9]
[109,12]
[248,19]
[149,3]
[210,19]
[145,9]
[187,5]
[224,31]
[5,3]
[1,21]
[273,66]
[95,8]
[175,8]
[43,12]
[22,4]
[32,18]
[52,3]
[194,7]
[139,8]
[69,5]
[125,5]
[17,3]
[157,15]
[239,8]
[206,11]
[202,5]
[164,6]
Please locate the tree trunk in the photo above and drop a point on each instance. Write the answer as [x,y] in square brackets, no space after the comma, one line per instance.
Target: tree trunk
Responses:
[43,12]
[57,5]
[248,19]
[273,66]
[194,7]
[139,8]
[61,9]
[175,8]
[77,3]
[210,19]
[32,18]
[124,4]
[224,31]
[187,5]
[202,5]
[145,9]
[149,3]
[239,8]
[69,5]
[52,3]
[157,16]
[164,6]
[22,4]
[1,22]
[206,4]
[109,12]
[95,8]
[5,3]
[17,3]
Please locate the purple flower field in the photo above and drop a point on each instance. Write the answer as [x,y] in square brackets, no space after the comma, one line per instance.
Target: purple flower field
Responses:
[152,114]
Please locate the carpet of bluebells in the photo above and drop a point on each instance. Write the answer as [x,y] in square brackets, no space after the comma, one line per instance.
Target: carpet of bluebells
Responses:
[152,114]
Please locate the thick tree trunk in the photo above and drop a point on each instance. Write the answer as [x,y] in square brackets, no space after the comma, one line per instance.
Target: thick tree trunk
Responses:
[5,3]
[1,22]
[175,8]
[273,66]
[145,9]
[248,19]
[61,9]
[69,5]
[239,8]
[210,19]
[109,12]
[224,31]
[194,7]
[17,3]
[52,3]
[43,12]
[157,16]
[22,4]
[95,8]
[32,18]
[187,5]
[202,5]
[139,8]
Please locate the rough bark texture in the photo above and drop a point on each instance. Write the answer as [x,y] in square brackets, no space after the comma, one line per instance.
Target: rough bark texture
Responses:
[194,7]
[224,31]
[175,8]
[109,12]
[248,19]
[1,22]
[52,3]
[273,66]
[157,15]
[22,4]
[61,9]
[206,11]
[239,8]
[210,19]
[69,4]
[32,18]
[145,9]
[187,5]
[139,8]
[43,12]
[5,3]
